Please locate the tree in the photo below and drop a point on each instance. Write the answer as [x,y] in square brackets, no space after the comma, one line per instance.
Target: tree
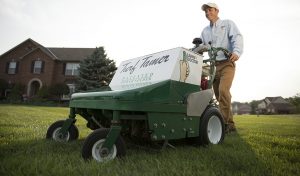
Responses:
[295,100]
[58,90]
[43,92]
[16,92]
[95,71]
[254,104]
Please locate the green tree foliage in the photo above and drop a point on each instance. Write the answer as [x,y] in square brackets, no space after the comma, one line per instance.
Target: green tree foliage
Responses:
[16,92]
[95,71]
[58,90]
[43,92]
[253,105]
[295,100]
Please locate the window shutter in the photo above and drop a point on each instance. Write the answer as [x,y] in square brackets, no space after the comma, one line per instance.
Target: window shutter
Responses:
[32,66]
[7,66]
[17,67]
[43,66]
[64,68]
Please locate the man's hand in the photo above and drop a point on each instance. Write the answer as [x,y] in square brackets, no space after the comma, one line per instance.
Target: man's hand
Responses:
[234,57]
[201,49]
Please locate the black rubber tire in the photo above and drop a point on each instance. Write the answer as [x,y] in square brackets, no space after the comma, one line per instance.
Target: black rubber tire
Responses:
[203,138]
[97,135]
[73,130]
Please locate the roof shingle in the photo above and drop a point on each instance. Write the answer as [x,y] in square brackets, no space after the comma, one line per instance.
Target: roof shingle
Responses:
[71,54]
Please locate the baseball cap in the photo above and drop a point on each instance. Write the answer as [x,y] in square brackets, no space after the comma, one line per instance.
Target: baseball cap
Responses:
[213,5]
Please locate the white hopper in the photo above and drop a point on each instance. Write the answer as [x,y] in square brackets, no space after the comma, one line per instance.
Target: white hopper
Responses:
[178,64]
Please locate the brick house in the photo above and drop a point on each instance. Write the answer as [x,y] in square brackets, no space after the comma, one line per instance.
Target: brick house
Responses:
[35,66]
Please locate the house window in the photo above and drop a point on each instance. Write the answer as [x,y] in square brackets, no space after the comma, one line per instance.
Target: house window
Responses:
[37,67]
[72,69]
[12,67]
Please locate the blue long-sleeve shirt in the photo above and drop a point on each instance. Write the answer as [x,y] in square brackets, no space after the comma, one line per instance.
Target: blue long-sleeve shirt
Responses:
[224,33]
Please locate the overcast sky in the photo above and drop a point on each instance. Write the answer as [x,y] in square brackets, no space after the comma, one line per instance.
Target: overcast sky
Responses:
[127,29]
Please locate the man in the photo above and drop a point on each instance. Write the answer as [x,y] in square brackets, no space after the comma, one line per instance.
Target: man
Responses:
[223,33]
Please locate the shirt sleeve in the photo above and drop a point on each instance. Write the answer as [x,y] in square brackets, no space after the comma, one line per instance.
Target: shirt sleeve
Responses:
[236,39]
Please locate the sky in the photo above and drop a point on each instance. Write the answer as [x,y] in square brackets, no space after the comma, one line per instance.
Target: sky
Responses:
[128,29]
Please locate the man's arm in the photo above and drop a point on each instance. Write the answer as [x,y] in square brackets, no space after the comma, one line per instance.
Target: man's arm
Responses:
[236,40]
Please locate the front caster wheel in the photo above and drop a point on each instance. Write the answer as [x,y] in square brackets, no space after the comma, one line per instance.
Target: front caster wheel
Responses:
[92,147]
[54,133]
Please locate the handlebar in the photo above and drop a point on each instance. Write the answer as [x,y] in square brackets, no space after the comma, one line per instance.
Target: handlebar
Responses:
[212,53]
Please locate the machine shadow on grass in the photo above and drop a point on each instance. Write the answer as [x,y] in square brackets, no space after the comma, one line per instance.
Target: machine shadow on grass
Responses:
[235,156]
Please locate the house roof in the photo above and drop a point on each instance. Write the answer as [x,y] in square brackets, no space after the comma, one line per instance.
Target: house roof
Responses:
[278,99]
[272,99]
[38,46]
[71,54]
[63,54]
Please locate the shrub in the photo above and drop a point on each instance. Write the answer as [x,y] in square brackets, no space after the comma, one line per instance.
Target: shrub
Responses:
[58,90]
[16,92]
[43,93]
[3,87]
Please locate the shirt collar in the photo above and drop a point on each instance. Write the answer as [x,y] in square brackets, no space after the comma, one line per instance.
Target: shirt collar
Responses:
[217,23]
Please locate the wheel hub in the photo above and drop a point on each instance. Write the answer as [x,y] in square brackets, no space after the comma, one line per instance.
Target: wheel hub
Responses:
[58,136]
[214,130]
[103,154]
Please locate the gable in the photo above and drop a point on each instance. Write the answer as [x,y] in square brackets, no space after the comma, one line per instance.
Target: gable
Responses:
[36,54]
[64,54]
[20,50]
[262,105]
[25,48]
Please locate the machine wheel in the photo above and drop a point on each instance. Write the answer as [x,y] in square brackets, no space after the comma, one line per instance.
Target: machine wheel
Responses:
[212,128]
[53,132]
[92,147]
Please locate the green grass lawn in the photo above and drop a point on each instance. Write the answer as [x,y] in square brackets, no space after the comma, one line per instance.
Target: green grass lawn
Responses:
[265,145]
